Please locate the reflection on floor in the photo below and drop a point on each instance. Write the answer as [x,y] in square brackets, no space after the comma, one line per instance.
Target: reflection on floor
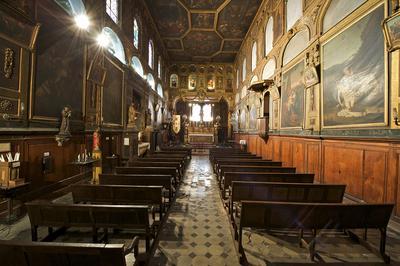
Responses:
[197,231]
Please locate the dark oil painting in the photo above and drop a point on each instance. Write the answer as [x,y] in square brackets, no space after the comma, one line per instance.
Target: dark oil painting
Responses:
[112,94]
[354,74]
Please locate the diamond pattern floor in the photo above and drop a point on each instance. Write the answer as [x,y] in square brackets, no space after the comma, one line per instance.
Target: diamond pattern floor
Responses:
[197,231]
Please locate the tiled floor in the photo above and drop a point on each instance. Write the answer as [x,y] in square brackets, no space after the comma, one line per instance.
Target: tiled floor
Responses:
[197,231]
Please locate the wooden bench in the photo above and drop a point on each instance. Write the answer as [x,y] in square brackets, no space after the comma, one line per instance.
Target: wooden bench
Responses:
[283,192]
[135,218]
[24,253]
[166,181]
[172,171]
[235,156]
[176,165]
[181,162]
[316,216]
[252,168]
[185,154]
[175,148]
[119,194]
[229,177]
[257,162]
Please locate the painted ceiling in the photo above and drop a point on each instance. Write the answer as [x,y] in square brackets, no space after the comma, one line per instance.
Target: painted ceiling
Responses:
[203,30]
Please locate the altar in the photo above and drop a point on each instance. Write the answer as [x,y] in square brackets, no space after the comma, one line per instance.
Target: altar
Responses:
[203,138]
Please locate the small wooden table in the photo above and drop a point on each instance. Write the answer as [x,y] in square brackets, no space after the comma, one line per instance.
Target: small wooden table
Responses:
[10,193]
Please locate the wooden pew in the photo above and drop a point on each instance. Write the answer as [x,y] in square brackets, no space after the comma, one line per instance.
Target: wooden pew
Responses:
[234,156]
[176,148]
[229,177]
[258,162]
[119,194]
[252,168]
[172,171]
[181,162]
[24,253]
[166,181]
[173,153]
[177,165]
[284,192]
[316,216]
[91,216]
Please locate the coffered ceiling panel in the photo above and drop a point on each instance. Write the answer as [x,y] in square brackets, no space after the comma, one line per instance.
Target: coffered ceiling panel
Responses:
[203,30]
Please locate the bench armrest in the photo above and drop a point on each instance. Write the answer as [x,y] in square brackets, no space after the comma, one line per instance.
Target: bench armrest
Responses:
[133,245]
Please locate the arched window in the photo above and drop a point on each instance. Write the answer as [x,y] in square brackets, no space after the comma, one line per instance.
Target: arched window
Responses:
[112,10]
[135,33]
[269,69]
[254,79]
[137,66]
[254,56]
[114,44]
[150,80]
[151,54]
[196,110]
[338,10]
[72,7]
[294,11]
[244,73]
[159,67]
[160,90]
[296,45]
[269,36]
[207,113]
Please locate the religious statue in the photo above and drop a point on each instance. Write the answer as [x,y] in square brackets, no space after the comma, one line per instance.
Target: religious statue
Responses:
[96,140]
[65,115]
[64,133]
[132,116]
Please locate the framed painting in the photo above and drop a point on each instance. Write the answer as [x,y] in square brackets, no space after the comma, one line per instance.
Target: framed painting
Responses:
[292,108]
[112,94]
[354,74]
[391,28]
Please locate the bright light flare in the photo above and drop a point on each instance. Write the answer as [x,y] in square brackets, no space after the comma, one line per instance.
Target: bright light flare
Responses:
[103,40]
[82,21]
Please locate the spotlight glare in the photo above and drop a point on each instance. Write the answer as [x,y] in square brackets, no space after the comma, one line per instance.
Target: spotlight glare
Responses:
[103,40]
[82,21]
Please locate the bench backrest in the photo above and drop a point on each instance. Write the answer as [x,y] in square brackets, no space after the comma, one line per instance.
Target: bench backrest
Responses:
[22,253]
[247,162]
[154,164]
[136,180]
[229,177]
[255,168]
[287,192]
[147,170]
[87,215]
[117,194]
[262,214]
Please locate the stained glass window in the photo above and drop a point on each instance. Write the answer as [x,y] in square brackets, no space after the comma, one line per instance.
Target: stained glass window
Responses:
[135,34]
[112,10]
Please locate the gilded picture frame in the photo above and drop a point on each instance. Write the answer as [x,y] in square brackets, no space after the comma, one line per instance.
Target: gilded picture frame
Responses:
[391,29]
[310,77]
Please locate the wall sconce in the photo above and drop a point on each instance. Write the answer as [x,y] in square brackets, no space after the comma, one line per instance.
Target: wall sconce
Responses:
[396,117]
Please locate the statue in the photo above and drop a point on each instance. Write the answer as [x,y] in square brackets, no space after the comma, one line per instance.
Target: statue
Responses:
[65,115]
[96,140]
[64,133]
[132,116]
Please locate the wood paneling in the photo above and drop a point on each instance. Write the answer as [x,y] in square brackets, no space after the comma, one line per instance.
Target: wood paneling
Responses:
[370,169]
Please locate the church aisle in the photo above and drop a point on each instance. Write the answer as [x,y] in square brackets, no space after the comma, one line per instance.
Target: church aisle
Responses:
[197,231]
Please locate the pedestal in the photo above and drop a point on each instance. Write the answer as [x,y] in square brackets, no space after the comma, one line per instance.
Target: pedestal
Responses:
[97,170]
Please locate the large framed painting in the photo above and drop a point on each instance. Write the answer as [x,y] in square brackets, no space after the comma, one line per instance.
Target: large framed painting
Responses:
[59,77]
[353,74]
[293,89]
[391,28]
[112,94]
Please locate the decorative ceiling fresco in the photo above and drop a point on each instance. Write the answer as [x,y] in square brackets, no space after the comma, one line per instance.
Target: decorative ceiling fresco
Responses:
[203,30]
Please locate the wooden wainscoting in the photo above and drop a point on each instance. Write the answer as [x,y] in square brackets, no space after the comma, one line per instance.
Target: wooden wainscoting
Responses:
[370,169]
